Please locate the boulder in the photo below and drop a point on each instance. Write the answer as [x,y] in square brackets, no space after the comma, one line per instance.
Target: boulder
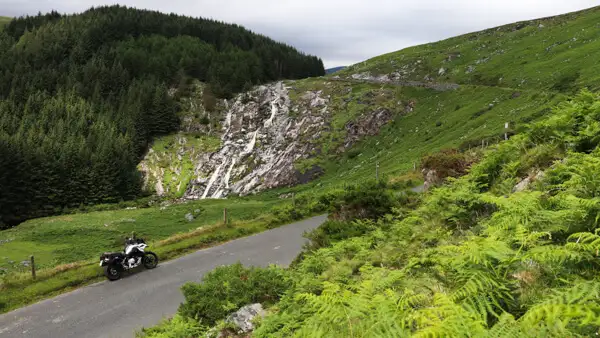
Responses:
[431,179]
[244,316]
[524,183]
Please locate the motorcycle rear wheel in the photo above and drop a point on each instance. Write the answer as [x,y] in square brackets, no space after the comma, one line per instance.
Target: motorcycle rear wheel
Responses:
[150,260]
[112,272]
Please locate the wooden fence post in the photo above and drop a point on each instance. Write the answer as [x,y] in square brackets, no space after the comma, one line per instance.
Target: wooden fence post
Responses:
[32,267]
[225,216]
[377,171]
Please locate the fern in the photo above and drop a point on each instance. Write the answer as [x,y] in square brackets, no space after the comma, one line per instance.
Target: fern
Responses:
[482,292]
[579,305]
[585,242]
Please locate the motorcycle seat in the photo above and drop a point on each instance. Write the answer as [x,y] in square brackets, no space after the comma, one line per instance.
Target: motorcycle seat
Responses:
[113,254]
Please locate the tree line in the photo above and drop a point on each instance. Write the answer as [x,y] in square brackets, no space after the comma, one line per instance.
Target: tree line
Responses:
[81,97]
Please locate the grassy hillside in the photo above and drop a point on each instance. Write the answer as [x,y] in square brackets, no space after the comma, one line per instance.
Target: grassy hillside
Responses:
[458,118]
[553,53]
[78,237]
[453,93]
[476,258]
[514,73]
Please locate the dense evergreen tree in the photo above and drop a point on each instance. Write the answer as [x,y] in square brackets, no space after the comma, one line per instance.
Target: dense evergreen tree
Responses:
[81,96]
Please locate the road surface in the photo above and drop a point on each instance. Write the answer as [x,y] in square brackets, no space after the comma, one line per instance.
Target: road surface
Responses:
[118,309]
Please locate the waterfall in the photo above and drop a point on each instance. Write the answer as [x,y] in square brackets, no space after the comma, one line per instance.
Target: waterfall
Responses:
[213,178]
[228,175]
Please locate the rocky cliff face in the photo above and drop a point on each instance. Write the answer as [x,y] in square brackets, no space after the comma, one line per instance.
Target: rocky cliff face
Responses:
[266,138]
[263,135]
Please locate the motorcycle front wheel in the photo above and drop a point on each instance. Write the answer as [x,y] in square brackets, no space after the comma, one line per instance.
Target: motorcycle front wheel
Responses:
[112,272]
[150,260]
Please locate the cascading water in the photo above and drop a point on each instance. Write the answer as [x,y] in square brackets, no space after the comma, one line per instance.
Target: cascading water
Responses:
[260,145]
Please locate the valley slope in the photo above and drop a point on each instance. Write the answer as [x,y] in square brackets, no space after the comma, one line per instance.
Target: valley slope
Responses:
[390,110]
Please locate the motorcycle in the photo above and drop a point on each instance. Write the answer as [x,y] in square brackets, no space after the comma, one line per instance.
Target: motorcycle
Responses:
[135,254]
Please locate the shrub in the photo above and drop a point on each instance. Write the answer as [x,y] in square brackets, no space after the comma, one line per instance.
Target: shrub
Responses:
[228,288]
[447,163]
[334,231]
[369,200]
[204,120]
[286,213]
[566,82]
[177,327]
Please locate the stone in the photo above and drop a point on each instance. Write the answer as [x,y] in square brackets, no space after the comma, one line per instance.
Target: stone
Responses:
[442,71]
[25,263]
[431,179]
[244,316]
[189,217]
[524,183]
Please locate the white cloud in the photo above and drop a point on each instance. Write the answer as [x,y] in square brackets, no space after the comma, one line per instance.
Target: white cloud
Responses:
[342,32]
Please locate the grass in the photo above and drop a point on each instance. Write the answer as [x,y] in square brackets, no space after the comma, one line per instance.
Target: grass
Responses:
[533,54]
[439,120]
[514,73]
[72,238]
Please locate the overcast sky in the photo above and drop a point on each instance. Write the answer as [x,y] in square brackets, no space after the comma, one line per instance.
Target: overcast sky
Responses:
[342,32]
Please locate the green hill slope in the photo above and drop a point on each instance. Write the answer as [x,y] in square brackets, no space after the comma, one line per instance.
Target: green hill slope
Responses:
[552,53]
[456,93]
[508,250]
[513,74]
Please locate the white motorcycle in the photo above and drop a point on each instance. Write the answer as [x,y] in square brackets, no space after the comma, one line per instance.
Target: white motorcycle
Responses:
[115,263]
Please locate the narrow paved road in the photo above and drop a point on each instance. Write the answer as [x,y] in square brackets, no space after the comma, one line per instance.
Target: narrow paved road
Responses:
[119,308]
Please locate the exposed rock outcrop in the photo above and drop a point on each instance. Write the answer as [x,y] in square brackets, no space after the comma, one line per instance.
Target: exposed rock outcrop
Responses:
[260,143]
[366,125]
[431,179]
[244,316]
[400,78]
[272,136]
